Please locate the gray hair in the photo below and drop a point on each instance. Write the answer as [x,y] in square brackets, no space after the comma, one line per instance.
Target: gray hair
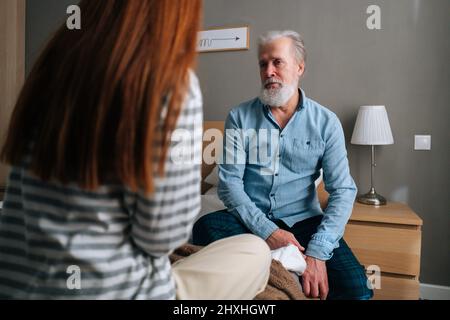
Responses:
[297,41]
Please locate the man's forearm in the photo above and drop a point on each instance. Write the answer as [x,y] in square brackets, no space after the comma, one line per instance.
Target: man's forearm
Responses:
[239,203]
[342,190]
[332,227]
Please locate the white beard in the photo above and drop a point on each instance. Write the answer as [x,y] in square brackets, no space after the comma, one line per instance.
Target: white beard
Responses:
[277,97]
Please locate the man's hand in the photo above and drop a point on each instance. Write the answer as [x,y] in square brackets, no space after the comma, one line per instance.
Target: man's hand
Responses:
[281,238]
[315,279]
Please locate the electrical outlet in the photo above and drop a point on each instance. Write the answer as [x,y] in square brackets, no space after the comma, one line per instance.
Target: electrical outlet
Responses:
[422,142]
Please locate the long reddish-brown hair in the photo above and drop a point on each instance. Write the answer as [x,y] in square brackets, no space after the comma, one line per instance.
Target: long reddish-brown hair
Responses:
[93,101]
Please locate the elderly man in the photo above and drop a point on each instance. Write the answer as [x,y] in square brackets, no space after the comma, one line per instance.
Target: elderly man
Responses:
[276,199]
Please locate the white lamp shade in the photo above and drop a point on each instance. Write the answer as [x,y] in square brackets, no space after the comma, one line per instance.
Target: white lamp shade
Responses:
[372,127]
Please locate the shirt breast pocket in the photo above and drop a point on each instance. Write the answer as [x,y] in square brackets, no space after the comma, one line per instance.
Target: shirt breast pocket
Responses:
[305,154]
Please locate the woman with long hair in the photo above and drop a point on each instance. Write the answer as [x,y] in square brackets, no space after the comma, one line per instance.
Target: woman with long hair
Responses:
[94,203]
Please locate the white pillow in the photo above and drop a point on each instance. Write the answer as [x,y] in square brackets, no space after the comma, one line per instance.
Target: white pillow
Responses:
[213,177]
[212,191]
[320,178]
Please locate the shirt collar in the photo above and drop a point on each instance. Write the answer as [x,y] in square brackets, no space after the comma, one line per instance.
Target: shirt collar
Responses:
[301,103]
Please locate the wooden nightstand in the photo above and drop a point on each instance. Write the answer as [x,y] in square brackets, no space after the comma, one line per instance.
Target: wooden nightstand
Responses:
[388,237]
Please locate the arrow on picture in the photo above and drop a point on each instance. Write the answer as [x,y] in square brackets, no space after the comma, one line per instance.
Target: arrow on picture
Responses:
[235,39]
[208,42]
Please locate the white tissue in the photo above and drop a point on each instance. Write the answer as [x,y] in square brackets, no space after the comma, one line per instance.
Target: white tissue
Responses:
[291,258]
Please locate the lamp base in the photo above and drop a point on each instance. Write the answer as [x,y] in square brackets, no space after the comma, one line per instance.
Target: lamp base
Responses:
[371,198]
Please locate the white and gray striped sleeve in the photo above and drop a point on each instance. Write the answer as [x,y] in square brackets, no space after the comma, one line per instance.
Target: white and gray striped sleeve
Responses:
[163,221]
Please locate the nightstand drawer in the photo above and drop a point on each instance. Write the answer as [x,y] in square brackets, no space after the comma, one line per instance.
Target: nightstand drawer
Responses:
[393,288]
[394,250]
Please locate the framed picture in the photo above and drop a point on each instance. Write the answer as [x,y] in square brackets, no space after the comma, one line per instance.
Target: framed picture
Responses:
[224,39]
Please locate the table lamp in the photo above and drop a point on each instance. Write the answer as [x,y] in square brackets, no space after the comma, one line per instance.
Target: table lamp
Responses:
[372,128]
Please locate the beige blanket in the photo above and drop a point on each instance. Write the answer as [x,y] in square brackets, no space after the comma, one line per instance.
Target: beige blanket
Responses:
[281,285]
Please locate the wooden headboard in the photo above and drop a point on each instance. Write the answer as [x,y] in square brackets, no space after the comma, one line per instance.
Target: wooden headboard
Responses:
[206,169]
[219,125]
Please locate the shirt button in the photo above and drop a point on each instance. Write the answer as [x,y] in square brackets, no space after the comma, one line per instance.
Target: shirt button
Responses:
[276,174]
[272,195]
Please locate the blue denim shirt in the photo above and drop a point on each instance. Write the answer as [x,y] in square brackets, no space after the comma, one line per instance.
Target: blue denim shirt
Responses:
[270,174]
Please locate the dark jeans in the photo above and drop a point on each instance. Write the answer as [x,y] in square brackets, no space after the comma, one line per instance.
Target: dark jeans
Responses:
[346,276]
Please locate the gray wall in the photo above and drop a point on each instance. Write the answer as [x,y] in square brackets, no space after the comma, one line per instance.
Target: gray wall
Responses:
[43,17]
[403,66]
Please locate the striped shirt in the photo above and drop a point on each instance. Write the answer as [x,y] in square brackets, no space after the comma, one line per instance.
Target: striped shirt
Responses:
[62,242]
